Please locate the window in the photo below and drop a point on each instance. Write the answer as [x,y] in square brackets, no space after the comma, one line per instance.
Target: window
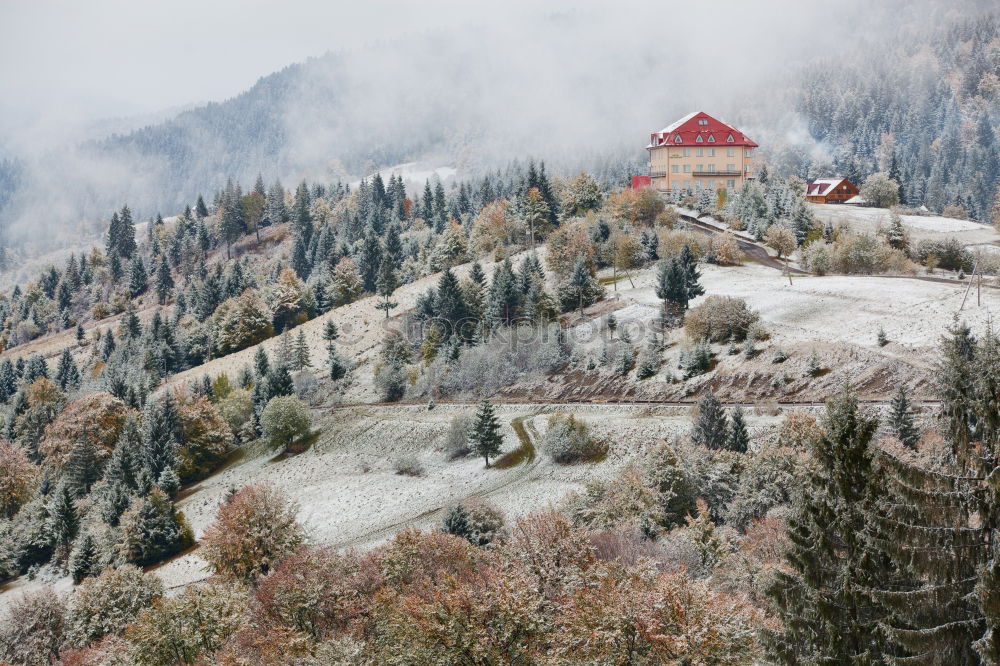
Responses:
[731,184]
[674,168]
[678,139]
[687,168]
[703,121]
[700,152]
[730,139]
[711,138]
[731,167]
[687,152]
[748,152]
[711,183]
[747,168]
[711,168]
[699,139]
[711,152]
[730,152]
[699,167]
[687,184]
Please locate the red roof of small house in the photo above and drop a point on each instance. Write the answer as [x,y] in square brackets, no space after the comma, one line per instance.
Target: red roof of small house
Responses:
[822,186]
[699,129]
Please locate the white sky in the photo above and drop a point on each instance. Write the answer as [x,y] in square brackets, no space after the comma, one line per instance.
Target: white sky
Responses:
[113,58]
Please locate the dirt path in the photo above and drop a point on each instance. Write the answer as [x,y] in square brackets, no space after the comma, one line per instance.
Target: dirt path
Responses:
[435,514]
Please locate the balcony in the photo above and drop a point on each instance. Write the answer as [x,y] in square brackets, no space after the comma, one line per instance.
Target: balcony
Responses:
[657,174]
[721,174]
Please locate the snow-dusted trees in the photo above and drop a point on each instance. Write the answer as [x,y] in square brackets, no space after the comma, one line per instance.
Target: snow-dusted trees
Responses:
[880,190]
[485,439]
[567,440]
[241,322]
[285,420]
[825,599]
[252,531]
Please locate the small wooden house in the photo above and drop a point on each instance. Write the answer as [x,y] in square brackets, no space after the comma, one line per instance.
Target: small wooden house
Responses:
[831,190]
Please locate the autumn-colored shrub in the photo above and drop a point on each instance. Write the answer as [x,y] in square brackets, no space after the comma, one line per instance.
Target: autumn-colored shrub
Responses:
[253,530]
[109,603]
[206,438]
[720,318]
[18,477]
[97,417]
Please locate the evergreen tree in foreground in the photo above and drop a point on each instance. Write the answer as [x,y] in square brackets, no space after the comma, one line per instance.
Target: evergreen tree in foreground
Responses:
[738,439]
[711,427]
[484,437]
[826,601]
[901,420]
[943,520]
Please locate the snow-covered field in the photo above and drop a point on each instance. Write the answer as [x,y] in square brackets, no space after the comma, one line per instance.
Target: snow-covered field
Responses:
[919,226]
[350,495]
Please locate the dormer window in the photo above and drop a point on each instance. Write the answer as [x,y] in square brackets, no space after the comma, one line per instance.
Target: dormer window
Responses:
[699,139]
[730,139]
[711,139]
[703,121]
[678,139]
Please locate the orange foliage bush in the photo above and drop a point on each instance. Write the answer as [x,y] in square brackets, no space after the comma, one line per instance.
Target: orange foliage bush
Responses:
[97,417]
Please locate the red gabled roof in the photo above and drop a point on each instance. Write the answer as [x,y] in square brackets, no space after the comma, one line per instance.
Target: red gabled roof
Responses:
[700,129]
[822,186]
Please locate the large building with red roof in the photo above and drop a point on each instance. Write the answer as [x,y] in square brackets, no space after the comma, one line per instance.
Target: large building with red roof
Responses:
[699,152]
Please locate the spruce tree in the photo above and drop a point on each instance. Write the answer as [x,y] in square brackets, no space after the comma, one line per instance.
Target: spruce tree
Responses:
[711,426]
[37,367]
[126,246]
[138,277]
[160,436]
[8,380]
[83,561]
[81,469]
[739,438]
[164,281]
[901,420]
[63,521]
[330,332]
[200,209]
[67,374]
[386,285]
[825,599]
[301,351]
[450,310]
[335,362]
[279,382]
[942,520]
[484,437]
[369,259]
[580,289]
[261,364]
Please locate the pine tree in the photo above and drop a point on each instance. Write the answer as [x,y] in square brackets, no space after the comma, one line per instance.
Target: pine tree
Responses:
[580,289]
[825,599]
[484,437]
[67,374]
[739,438]
[279,382]
[261,364]
[711,426]
[301,351]
[137,278]
[79,333]
[37,367]
[200,209]
[330,332]
[164,281]
[8,380]
[336,363]
[386,285]
[81,469]
[370,259]
[901,420]
[83,561]
[692,275]
[126,246]
[63,522]
[942,520]
[450,309]
[160,435]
